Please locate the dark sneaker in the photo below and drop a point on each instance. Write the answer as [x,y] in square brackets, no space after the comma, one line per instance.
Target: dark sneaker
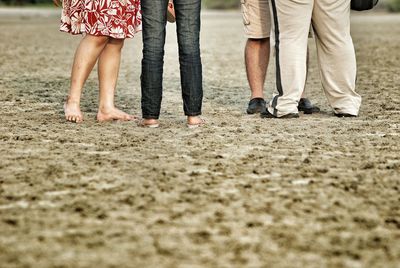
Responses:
[345,115]
[267,114]
[307,107]
[256,105]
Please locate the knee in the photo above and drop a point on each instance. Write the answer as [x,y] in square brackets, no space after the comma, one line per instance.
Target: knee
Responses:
[118,43]
[189,49]
[153,47]
[154,39]
[153,53]
[98,40]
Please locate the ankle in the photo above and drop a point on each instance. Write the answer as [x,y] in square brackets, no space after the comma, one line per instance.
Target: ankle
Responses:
[150,120]
[255,96]
[193,118]
[73,100]
[104,108]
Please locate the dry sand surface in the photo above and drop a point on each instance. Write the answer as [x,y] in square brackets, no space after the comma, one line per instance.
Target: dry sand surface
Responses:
[241,192]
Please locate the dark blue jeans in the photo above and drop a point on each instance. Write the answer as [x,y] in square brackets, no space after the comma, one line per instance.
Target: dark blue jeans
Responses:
[188,29]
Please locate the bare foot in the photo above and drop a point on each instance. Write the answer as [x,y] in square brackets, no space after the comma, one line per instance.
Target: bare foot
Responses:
[195,121]
[111,114]
[72,111]
[150,123]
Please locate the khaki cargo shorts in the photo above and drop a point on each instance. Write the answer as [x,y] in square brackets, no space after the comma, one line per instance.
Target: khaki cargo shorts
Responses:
[256,18]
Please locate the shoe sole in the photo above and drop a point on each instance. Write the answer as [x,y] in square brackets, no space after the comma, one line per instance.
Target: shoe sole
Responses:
[309,111]
[288,116]
[257,111]
[345,115]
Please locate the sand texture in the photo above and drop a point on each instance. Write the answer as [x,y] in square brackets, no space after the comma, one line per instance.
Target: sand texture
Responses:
[318,191]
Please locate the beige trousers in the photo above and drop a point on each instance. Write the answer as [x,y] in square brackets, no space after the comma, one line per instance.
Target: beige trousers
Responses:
[330,19]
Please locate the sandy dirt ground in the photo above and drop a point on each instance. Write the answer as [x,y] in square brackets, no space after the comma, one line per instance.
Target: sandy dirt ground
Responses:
[241,192]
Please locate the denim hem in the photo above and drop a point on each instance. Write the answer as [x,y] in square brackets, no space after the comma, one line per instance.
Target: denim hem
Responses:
[151,116]
[193,114]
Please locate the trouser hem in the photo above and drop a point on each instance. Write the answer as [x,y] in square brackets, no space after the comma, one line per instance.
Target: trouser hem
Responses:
[351,112]
[278,113]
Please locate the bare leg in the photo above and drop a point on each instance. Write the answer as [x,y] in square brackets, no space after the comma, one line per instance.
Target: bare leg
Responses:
[257,60]
[85,58]
[109,63]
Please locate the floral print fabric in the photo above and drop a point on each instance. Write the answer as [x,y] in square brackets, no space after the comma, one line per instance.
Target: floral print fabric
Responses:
[115,18]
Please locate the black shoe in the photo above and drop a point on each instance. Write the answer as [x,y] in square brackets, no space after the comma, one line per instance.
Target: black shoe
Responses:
[345,115]
[256,105]
[307,107]
[267,114]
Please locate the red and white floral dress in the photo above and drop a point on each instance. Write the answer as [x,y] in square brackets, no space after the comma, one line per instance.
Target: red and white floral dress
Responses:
[115,18]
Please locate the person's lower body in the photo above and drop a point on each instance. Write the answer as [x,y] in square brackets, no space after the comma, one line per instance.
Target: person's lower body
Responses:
[256,61]
[338,69]
[102,43]
[188,31]
[257,26]
[107,52]
[256,20]
[335,54]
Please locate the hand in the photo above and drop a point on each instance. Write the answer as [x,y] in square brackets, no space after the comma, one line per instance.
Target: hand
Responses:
[171,17]
[57,3]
